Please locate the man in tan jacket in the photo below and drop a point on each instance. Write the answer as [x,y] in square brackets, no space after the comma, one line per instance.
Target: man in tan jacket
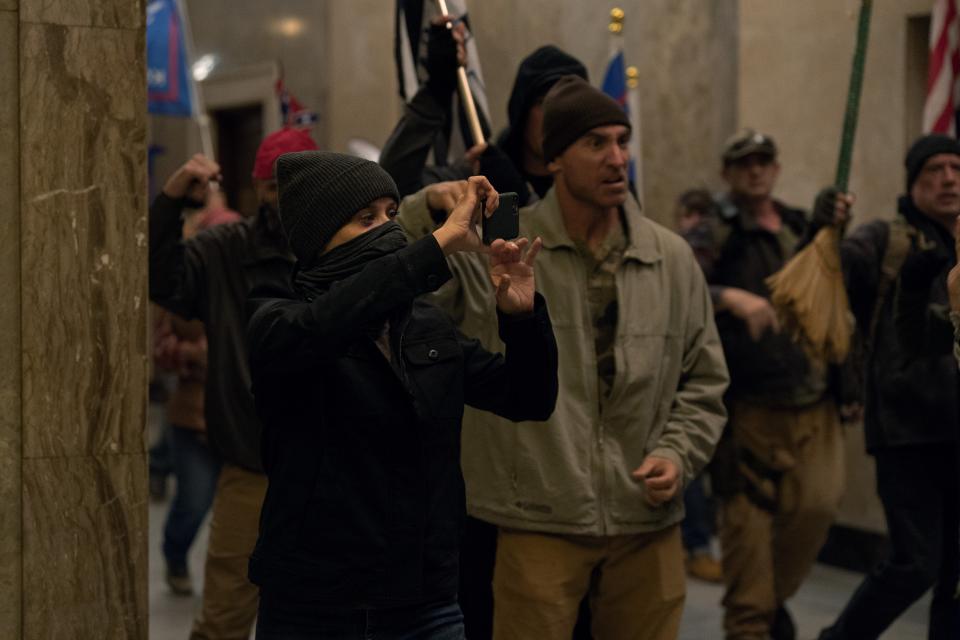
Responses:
[589,503]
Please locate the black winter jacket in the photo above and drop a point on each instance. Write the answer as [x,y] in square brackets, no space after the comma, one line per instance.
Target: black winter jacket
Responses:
[208,277]
[735,252]
[911,393]
[366,499]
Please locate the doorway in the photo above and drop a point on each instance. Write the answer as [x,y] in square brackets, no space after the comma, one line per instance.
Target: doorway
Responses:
[239,131]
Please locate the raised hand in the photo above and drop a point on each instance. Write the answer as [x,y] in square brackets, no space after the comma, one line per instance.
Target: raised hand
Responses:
[459,232]
[444,196]
[512,274]
[192,179]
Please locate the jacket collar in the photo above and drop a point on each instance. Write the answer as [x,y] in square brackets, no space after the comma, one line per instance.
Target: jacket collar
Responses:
[789,216]
[930,228]
[546,221]
[264,244]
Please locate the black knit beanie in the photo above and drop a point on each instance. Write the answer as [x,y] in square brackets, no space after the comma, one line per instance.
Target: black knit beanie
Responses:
[570,109]
[925,148]
[320,191]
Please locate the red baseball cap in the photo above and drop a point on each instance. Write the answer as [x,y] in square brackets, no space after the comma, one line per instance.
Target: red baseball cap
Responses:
[276,144]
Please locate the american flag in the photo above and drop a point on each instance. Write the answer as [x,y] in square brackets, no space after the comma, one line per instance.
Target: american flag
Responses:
[943,79]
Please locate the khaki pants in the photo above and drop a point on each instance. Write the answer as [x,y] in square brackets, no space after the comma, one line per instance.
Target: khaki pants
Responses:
[636,585]
[770,534]
[229,600]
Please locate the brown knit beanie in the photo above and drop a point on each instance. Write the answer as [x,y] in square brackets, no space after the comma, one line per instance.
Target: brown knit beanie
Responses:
[570,109]
[320,191]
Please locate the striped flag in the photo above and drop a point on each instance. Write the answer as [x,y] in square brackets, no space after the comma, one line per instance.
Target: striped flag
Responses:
[627,96]
[410,48]
[943,77]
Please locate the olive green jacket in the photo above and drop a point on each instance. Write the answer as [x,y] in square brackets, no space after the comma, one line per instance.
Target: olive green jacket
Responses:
[571,474]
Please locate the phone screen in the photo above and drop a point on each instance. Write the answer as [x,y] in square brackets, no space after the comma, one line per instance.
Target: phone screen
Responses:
[504,223]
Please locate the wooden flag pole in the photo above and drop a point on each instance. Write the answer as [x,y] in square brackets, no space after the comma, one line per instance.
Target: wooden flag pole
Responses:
[466,96]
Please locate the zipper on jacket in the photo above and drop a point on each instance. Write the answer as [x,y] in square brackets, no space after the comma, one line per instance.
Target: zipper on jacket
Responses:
[599,464]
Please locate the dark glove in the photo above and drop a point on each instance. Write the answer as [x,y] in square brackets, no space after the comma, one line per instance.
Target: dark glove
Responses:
[921,268]
[824,207]
[441,61]
[502,173]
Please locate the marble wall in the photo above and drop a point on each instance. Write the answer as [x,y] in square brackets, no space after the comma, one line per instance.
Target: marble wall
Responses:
[10,446]
[73,402]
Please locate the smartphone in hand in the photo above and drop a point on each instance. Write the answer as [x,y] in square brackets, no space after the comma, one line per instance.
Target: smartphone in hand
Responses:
[504,223]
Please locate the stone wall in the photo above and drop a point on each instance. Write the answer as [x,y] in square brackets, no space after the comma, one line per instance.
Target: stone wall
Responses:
[73,382]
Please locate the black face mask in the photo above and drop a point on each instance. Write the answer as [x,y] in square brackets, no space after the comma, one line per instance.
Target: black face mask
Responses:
[349,258]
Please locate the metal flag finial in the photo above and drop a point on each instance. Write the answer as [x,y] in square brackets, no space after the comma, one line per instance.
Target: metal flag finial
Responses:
[616,20]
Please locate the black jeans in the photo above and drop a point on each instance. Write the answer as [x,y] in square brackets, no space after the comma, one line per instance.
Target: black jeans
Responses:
[919,487]
[280,619]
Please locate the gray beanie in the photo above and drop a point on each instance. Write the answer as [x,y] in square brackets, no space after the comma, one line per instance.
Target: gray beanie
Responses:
[320,191]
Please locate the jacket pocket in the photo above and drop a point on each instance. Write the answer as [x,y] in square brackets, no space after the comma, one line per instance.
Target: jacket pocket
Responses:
[434,367]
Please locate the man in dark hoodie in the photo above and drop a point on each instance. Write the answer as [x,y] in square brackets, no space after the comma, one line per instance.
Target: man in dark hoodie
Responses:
[515,162]
[208,277]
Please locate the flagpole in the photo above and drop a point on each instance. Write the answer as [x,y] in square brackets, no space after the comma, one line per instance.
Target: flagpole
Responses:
[466,96]
[199,106]
[636,139]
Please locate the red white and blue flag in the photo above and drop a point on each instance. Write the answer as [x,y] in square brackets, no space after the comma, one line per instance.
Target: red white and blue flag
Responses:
[615,85]
[943,75]
[292,112]
[169,88]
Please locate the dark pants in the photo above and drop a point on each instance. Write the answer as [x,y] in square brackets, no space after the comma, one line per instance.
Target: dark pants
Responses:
[282,620]
[478,551]
[919,487]
[196,470]
[697,525]
[159,458]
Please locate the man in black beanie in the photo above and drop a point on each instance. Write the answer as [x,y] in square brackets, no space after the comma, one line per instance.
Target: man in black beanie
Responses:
[896,273]
[515,161]
[361,387]
[589,504]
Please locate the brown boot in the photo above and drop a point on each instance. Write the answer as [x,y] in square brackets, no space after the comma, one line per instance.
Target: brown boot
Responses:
[703,566]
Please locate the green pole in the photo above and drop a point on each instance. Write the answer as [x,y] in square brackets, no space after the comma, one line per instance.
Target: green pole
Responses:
[853,97]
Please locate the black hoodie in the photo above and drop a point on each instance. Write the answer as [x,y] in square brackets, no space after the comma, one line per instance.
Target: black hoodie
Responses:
[426,117]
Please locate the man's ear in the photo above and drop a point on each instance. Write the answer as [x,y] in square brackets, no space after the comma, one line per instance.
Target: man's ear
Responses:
[555,166]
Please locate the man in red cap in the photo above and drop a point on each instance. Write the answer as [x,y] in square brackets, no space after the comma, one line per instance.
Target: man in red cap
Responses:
[208,277]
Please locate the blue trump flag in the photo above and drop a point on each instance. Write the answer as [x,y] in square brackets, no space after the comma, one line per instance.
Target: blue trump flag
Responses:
[168,83]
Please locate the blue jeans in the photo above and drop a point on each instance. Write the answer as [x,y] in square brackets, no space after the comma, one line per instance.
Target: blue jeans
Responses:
[279,620]
[196,470]
[696,527]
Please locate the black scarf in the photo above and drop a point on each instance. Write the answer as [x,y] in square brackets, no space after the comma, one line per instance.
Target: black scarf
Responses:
[348,259]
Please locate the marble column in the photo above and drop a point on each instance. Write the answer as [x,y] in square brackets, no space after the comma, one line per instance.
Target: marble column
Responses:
[73,379]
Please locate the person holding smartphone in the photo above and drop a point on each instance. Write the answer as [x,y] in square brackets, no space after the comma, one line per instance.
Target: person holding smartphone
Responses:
[361,387]
[590,506]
